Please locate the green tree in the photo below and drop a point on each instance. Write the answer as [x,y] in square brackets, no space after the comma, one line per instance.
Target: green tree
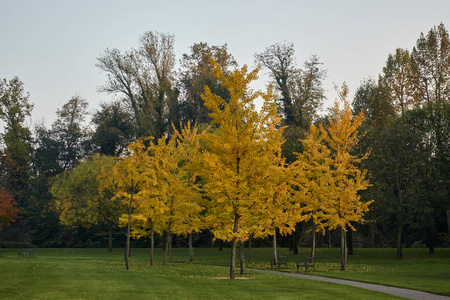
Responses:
[431,57]
[280,60]
[400,77]
[78,200]
[70,132]
[300,89]
[392,164]
[145,78]
[307,92]
[46,152]
[373,99]
[196,72]
[114,128]
[16,158]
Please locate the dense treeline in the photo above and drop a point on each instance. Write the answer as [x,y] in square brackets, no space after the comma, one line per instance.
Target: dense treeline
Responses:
[405,130]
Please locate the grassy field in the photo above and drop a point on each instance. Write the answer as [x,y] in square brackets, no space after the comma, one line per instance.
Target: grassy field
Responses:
[98,274]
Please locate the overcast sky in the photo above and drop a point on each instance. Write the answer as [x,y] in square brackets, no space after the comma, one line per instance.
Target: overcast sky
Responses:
[52,46]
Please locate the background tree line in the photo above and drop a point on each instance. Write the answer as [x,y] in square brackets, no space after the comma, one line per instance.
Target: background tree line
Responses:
[406,129]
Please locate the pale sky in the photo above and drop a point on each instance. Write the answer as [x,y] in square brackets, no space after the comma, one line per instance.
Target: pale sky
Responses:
[52,46]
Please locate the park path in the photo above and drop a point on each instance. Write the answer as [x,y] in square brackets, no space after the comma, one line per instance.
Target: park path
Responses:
[405,293]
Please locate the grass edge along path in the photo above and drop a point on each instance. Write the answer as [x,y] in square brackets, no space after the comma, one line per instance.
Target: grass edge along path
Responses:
[395,291]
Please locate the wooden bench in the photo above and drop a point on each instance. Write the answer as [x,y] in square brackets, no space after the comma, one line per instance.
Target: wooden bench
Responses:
[282,260]
[29,252]
[310,262]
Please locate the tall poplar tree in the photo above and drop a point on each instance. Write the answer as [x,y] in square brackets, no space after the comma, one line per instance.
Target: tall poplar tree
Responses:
[16,155]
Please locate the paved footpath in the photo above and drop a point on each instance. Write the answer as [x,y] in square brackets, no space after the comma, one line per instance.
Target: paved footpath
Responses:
[405,293]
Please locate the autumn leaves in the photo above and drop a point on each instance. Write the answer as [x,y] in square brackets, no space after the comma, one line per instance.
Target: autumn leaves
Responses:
[232,179]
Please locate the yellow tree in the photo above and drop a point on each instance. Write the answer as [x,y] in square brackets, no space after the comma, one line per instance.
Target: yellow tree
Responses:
[232,162]
[312,181]
[149,213]
[127,179]
[345,206]
[277,210]
[182,198]
[188,144]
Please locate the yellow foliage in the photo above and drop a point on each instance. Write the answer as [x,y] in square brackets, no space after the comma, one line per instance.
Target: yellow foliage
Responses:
[327,176]
[241,155]
[348,180]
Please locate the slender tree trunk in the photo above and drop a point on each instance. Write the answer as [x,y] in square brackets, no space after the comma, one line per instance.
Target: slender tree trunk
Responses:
[233,248]
[152,243]
[431,239]
[447,212]
[249,254]
[241,257]
[166,249]
[191,249]
[170,246]
[127,248]
[400,238]
[275,256]
[313,247]
[350,241]
[399,214]
[220,245]
[329,238]
[110,227]
[343,250]
[295,240]
[290,241]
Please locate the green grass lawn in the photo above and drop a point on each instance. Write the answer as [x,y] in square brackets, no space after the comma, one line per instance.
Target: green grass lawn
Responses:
[98,274]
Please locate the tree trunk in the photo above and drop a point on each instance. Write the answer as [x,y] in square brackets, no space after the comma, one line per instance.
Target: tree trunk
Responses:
[431,239]
[170,246]
[295,241]
[350,241]
[343,250]
[191,249]
[329,239]
[249,254]
[127,247]
[233,259]
[233,248]
[152,243]
[220,245]
[399,238]
[313,247]
[448,220]
[110,236]
[241,257]
[166,249]
[275,256]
